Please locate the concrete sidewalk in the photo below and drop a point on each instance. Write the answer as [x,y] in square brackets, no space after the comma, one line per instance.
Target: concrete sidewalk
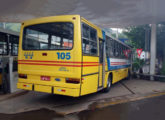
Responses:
[12,95]
[65,105]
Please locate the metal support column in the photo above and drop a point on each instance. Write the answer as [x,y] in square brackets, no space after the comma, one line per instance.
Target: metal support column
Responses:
[153,51]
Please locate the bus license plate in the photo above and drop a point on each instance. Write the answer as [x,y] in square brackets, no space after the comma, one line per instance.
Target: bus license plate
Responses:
[45,78]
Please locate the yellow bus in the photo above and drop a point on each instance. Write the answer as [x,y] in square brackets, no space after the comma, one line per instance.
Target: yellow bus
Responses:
[70,56]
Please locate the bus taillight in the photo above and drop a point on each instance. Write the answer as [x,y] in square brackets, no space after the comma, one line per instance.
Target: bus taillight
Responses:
[24,76]
[72,80]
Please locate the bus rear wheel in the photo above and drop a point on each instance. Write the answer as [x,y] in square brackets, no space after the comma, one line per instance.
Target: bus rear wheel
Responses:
[109,83]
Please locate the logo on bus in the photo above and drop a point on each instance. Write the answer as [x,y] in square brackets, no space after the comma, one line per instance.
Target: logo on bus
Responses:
[28,55]
[63,69]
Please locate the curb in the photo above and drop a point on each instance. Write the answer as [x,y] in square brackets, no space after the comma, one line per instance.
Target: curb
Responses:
[124,99]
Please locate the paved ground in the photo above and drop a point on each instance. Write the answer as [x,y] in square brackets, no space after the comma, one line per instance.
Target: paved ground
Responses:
[65,105]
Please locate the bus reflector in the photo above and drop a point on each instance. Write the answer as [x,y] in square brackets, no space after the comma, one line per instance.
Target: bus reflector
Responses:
[44,54]
[45,78]
[24,76]
[62,90]
[57,79]
[72,80]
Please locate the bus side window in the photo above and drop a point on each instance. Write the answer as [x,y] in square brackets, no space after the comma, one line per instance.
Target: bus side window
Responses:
[111,48]
[107,48]
[129,54]
[122,51]
[89,37]
[116,50]
[120,48]
[3,44]
[13,45]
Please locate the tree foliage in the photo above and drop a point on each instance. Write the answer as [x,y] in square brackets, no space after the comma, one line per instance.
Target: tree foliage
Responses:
[136,35]
[12,26]
[120,35]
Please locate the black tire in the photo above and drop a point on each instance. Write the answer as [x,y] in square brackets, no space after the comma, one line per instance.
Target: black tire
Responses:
[109,83]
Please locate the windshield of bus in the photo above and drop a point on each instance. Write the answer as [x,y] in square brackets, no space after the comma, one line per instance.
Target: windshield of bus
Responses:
[48,36]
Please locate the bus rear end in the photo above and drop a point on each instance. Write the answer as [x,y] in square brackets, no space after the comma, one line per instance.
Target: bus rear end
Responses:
[50,55]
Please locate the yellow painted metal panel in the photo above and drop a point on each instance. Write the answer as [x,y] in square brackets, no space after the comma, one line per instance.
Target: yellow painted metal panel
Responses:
[93,67]
[100,76]
[24,86]
[50,83]
[42,88]
[89,84]
[67,91]
[49,65]
[119,74]
[38,64]
[54,83]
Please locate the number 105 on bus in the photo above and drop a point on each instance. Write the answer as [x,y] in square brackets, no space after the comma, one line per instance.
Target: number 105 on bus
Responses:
[63,55]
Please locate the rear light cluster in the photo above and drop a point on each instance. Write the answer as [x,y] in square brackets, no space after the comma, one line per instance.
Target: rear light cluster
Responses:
[45,78]
[72,80]
[24,76]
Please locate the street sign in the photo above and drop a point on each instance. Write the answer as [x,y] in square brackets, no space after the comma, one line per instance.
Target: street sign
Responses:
[139,52]
[126,52]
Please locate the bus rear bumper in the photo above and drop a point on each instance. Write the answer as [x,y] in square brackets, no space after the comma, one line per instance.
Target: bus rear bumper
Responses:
[74,92]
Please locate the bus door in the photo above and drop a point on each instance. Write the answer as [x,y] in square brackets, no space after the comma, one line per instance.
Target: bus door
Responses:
[101,63]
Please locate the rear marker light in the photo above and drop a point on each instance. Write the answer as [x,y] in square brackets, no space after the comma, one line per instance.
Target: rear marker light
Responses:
[24,76]
[26,86]
[61,90]
[72,80]
[45,78]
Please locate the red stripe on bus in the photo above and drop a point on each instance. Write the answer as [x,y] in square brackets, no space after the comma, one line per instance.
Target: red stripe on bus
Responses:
[58,65]
[54,61]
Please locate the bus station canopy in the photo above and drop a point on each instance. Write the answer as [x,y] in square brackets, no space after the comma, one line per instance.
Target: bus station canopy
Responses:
[105,13]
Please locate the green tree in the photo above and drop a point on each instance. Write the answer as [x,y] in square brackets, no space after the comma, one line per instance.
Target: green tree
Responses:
[120,35]
[12,26]
[136,35]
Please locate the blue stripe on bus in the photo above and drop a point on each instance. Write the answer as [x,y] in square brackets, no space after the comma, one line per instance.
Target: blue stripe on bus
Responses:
[103,32]
[119,67]
[108,63]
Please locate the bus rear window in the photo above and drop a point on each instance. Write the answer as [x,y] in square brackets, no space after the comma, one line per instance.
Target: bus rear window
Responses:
[48,36]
